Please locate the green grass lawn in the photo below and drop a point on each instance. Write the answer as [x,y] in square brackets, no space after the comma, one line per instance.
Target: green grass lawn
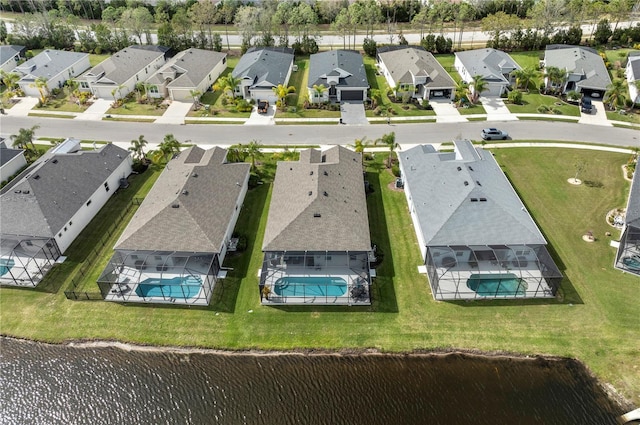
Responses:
[528,59]
[447,61]
[95,59]
[632,116]
[594,318]
[61,103]
[134,108]
[531,101]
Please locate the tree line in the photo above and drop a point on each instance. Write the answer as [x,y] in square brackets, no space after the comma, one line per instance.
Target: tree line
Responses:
[179,25]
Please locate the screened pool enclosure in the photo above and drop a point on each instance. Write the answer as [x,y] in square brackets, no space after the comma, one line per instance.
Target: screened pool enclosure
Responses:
[161,277]
[341,278]
[491,271]
[628,255]
[25,260]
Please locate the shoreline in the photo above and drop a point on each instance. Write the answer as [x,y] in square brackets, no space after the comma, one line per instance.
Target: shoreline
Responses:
[542,359]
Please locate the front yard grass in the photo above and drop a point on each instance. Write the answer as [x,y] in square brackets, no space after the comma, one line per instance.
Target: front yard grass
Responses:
[61,103]
[531,101]
[594,312]
[131,107]
[632,116]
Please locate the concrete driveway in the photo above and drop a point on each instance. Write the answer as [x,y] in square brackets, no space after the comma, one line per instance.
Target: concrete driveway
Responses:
[175,113]
[262,119]
[446,111]
[598,115]
[23,107]
[96,111]
[352,113]
[496,109]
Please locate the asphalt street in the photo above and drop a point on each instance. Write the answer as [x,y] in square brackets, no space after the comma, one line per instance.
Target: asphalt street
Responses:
[224,134]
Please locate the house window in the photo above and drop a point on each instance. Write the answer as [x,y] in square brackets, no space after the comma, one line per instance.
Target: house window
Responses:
[89,202]
[70,223]
[65,228]
[106,186]
[224,60]
[84,85]
[137,78]
[153,89]
[60,234]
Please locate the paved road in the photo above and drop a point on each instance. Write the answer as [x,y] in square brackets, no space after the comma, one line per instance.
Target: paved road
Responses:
[222,134]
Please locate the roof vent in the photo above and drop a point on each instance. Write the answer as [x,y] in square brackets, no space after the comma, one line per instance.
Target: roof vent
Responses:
[55,161]
[310,193]
[311,173]
[483,199]
[185,192]
[459,168]
[37,177]
[194,175]
[175,206]
[26,192]
[466,183]
[325,193]
[478,183]
[17,191]
[474,199]
[316,215]
[470,168]
[326,173]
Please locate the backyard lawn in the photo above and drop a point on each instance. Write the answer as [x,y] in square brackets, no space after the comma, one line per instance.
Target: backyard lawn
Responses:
[528,59]
[593,319]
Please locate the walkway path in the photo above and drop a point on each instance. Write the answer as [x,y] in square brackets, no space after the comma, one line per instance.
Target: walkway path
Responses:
[175,113]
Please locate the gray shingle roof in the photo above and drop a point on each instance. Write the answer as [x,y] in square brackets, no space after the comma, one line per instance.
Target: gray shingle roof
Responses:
[347,64]
[632,217]
[206,191]
[48,195]
[191,67]
[404,63]
[126,63]
[265,67]
[582,61]
[635,67]
[443,187]
[9,51]
[49,63]
[319,206]
[7,154]
[491,64]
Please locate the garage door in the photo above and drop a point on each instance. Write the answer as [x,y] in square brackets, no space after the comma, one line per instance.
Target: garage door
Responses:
[351,95]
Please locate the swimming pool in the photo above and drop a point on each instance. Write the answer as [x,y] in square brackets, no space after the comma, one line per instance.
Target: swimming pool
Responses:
[298,286]
[177,287]
[507,284]
[632,263]
[5,265]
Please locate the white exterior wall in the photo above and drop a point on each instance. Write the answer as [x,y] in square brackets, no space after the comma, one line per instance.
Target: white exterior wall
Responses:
[184,93]
[261,94]
[12,167]
[104,91]
[321,99]
[234,220]
[84,215]
[58,80]
[10,64]
[414,216]
[634,92]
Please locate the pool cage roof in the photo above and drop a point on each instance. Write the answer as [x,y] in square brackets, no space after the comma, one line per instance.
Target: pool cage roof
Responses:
[156,262]
[628,255]
[26,259]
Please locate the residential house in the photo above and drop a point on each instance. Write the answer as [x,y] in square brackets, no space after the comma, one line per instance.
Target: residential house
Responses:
[11,161]
[260,70]
[585,70]
[413,70]
[56,66]
[341,72]
[316,244]
[192,70]
[10,55]
[46,207]
[173,249]
[628,255]
[633,77]
[494,66]
[117,76]
[476,237]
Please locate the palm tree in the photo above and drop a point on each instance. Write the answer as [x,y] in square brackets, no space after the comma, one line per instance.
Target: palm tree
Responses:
[169,147]
[117,90]
[525,76]
[41,84]
[254,151]
[615,94]
[228,83]
[195,94]
[376,97]
[388,140]
[556,78]
[282,92]
[71,85]
[461,92]
[319,91]
[137,147]
[237,153]
[24,139]
[359,145]
[478,85]
[9,79]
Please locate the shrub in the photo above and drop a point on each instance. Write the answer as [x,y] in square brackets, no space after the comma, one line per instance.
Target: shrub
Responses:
[406,97]
[543,109]
[377,111]
[369,46]
[253,180]
[556,111]
[515,97]
[395,170]
[425,104]
[573,95]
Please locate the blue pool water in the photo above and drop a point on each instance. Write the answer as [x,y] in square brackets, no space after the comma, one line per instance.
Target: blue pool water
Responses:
[295,286]
[632,263]
[507,284]
[177,287]
[5,265]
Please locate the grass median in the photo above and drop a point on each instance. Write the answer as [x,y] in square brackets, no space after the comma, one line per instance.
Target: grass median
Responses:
[594,318]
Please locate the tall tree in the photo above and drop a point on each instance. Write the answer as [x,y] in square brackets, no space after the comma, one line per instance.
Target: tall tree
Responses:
[138,21]
[24,139]
[525,76]
[615,94]
[254,151]
[167,149]
[137,147]
[499,24]
[478,84]
[41,84]
[389,140]
[228,84]
[282,92]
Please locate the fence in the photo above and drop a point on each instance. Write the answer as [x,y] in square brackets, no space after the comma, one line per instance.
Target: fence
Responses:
[95,253]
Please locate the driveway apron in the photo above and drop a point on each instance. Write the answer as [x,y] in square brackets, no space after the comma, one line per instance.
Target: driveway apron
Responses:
[446,111]
[496,109]
[352,113]
[96,111]
[262,119]
[598,116]
[175,113]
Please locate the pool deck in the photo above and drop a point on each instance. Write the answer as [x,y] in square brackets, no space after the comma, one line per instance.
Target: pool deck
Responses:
[125,288]
[453,281]
[21,275]
[350,276]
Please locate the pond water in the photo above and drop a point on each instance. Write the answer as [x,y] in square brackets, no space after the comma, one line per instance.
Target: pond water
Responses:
[51,384]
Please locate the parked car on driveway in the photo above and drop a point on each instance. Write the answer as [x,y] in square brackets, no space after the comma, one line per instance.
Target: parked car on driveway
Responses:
[263,106]
[585,105]
[494,134]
